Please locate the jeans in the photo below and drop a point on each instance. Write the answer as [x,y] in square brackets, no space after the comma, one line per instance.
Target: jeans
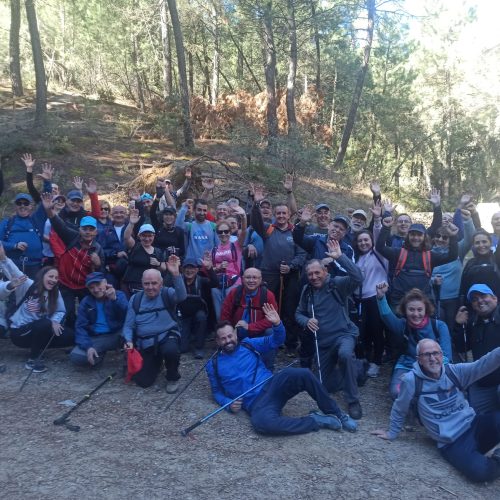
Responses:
[69,296]
[218,298]
[372,331]
[37,334]
[266,410]
[484,399]
[467,452]
[193,330]
[153,357]
[101,343]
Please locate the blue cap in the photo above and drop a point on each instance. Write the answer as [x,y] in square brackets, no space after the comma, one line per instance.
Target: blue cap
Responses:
[88,221]
[94,278]
[320,206]
[146,228]
[74,194]
[418,228]
[190,262]
[343,219]
[479,288]
[146,196]
[23,196]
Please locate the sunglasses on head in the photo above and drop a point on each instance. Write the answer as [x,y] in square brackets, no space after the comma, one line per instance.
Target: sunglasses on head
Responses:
[444,237]
[223,231]
[23,203]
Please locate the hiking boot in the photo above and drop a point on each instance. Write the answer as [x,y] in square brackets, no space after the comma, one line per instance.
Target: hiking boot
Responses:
[172,386]
[355,410]
[36,366]
[373,370]
[326,421]
[198,354]
[348,424]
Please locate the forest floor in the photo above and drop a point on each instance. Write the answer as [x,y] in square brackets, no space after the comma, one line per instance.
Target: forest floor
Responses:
[129,446]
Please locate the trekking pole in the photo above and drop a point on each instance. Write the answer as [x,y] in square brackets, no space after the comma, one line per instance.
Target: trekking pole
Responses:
[35,361]
[282,286]
[63,419]
[437,293]
[190,382]
[187,430]
[317,348]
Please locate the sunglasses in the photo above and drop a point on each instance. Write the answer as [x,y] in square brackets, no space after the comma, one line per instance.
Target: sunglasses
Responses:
[224,231]
[444,237]
[105,209]
[23,203]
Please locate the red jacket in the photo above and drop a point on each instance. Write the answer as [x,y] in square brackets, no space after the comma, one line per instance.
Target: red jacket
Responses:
[233,313]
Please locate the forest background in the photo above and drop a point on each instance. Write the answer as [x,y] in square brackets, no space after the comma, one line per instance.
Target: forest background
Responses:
[349,90]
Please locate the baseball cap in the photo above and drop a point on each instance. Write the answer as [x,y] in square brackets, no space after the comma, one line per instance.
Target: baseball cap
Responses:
[322,205]
[23,196]
[146,228]
[479,288]
[75,195]
[146,196]
[57,196]
[169,210]
[88,221]
[341,218]
[360,212]
[265,201]
[190,262]
[419,228]
[94,278]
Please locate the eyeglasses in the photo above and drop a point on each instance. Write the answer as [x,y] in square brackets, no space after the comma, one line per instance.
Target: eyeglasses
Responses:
[429,355]
[105,209]
[444,237]
[223,231]
[23,203]
[403,221]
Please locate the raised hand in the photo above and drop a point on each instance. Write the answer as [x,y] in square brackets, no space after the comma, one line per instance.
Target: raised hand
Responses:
[307,214]
[388,206]
[382,289]
[288,182]
[452,229]
[376,210]
[271,314]
[375,188]
[15,282]
[435,197]
[91,186]
[173,264]
[466,215]
[258,192]
[334,251]
[78,183]
[28,161]
[388,221]
[465,199]
[208,183]
[47,172]
[134,194]
[207,260]
[134,216]
[47,202]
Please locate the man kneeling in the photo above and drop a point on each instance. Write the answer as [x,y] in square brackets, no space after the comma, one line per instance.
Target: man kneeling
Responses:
[238,367]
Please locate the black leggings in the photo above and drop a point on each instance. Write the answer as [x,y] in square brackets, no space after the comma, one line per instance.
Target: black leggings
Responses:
[372,330]
[36,336]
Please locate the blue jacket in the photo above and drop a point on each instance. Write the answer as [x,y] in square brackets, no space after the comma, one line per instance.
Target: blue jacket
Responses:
[236,370]
[115,312]
[28,229]
[111,245]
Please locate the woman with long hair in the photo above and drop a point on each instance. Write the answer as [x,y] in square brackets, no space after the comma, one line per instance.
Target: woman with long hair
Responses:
[36,319]
[416,323]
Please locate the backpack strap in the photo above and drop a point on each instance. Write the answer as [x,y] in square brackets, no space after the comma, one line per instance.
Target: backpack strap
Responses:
[8,228]
[426,258]
[403,255]
[435,330]
[453,377]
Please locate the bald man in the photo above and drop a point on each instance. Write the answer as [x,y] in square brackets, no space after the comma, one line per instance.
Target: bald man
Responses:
[437,393]
[151,325]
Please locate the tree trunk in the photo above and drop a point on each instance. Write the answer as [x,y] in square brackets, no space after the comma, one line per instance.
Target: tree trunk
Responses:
[292,68]
[351,118]
[191,73]
[316,45]
[137,75]
[36,47]
[245,60]
[166,51]
[14,52]
[270,74]
[215,58]
[183,83]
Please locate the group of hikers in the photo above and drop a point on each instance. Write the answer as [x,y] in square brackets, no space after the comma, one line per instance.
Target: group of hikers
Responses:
[341,293]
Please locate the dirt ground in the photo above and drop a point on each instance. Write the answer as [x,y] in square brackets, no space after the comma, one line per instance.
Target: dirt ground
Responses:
[129,447]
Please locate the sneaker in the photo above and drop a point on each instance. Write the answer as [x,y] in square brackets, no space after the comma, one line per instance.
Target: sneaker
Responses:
[373,370]
[36,366]
[172,386]
[198,354]
[326,421]
[348,424]
[355,410]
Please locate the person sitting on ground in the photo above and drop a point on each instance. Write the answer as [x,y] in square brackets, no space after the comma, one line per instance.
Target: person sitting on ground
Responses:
[322,309]
[141,255]
[38,313]
[99,321]
[238,367]
[482,335]
[150,324]
[416,323]
[77,254]
[194,310]
[242,307]
[462,436]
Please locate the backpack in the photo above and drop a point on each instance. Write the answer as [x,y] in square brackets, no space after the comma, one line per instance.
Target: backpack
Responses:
[403,256]
[418,389]
[215,365]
